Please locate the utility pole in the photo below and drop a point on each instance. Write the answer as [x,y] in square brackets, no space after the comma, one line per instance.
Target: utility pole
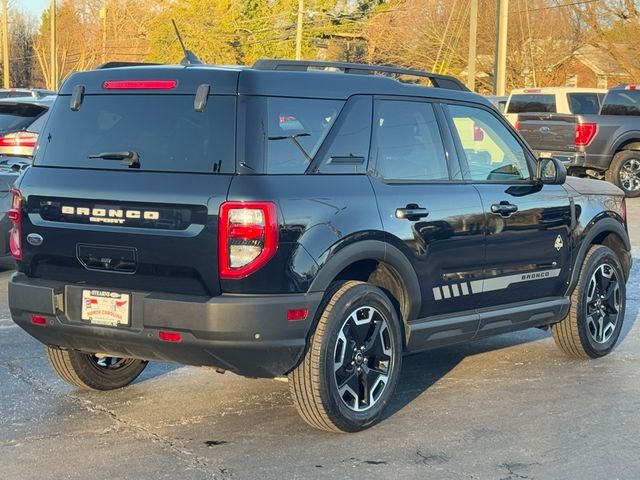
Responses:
[5,46]
[54,58]
[299,30]
[473,34]
[500,68]
[103,16]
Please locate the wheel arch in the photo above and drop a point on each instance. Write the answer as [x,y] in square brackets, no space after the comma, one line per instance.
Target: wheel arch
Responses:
[380,264]
[608,232]
[632,143]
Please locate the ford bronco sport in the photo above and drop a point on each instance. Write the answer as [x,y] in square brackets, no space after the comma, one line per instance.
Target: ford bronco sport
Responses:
[314,220]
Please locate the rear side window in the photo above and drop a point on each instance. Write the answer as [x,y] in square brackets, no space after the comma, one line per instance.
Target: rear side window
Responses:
[533,102]
[18,116]
[408,146]
[296,128]
[165,131]
[584,103]
[621,102]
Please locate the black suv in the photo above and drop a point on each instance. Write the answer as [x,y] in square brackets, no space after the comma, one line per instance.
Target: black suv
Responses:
[305,219]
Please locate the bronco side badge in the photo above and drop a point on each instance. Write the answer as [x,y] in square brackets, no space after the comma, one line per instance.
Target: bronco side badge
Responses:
[558,243]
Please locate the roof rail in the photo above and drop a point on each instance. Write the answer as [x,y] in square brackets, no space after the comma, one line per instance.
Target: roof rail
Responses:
[123,64]
[437,80]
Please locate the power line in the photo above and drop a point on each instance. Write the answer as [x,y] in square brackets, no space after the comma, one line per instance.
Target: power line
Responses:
[550,7]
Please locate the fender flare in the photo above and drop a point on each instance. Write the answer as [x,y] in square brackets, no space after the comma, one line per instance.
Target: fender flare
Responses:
[617,143]
[605,225]
[372,250]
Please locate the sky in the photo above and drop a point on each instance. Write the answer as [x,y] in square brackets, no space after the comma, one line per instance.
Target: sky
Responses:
[32,6]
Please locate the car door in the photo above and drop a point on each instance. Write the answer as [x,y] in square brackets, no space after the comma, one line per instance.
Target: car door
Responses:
[527,256]
[429,213]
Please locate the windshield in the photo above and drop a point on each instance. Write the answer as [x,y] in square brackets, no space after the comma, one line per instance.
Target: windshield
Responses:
[165,132]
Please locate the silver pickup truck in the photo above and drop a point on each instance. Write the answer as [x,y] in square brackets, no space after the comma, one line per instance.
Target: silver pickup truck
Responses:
[604,145]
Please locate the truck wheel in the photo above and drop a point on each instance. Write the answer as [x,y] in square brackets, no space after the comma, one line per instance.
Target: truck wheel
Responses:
[594,322]
[90,372]
[624,172]
[352,364]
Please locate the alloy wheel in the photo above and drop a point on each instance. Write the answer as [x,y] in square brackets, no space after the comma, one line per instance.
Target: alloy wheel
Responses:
[363,358]
[603,303]
[630,175]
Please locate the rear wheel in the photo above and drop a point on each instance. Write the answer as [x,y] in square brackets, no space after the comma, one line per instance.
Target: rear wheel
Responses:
[597,307]
[351,368]
[94,372]
[624,172]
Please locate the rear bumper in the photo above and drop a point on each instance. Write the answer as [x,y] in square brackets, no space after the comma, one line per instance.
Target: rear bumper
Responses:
[580,159]
[248,335]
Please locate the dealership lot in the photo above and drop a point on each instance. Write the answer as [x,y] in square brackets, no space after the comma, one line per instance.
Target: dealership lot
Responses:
[510,407]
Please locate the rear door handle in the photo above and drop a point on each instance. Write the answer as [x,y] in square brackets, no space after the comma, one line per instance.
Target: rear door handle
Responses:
[504,209]
[411,212]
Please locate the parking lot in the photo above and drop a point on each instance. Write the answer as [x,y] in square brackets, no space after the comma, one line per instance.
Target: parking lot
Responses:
[510,407]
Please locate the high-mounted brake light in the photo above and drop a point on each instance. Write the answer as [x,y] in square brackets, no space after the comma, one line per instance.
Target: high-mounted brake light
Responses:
[585,133]
[247,237]
[139,84]
[631,87]
[15,217]
[19,139]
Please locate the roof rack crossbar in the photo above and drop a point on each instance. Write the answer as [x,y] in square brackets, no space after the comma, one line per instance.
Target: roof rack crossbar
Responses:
[438,81]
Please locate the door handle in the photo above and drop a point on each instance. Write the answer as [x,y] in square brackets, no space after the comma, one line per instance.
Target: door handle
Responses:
[411,212]
[504,209]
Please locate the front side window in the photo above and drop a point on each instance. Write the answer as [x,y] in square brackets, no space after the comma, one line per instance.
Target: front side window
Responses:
[408,145]
[493,153]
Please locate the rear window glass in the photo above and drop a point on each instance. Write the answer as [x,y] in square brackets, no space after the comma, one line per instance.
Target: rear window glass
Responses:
[15,94]
[584,103]
[18,116]
[165,131]
[295,130]
[621,102]
[534,102]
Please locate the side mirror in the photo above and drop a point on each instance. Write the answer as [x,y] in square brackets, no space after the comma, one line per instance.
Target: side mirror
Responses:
[551,171]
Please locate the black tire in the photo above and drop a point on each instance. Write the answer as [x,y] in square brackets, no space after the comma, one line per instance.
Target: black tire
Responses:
[354,312]
[624,172]
[586,332]
[89,372]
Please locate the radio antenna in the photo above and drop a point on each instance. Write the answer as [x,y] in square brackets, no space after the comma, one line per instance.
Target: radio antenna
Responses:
[190,58]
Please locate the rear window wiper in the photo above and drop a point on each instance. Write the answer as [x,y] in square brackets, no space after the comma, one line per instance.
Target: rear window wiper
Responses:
[296,142]
[128,157]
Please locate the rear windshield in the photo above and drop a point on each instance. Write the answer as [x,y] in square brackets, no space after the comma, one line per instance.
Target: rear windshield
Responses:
[14,94]
[165,132]
[584,103]
[18,116]
[532,103]
[621,102]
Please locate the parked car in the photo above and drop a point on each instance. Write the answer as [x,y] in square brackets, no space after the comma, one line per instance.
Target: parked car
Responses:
[553,100]
[500,102]
[603,146]
[282,219]
[21,120]
[25,92]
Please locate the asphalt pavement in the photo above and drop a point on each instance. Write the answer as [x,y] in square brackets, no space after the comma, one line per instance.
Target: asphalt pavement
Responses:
[507,408]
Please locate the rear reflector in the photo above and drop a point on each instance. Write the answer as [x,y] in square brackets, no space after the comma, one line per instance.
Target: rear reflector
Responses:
[38,320]
[297,314]
[15,217]
[170,336]
[139,84]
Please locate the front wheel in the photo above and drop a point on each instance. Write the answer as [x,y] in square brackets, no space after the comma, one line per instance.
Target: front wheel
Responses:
[624,172]
[352,364]
[94,372]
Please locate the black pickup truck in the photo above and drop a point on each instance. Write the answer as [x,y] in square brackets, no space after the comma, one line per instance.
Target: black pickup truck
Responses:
[605,146]
[315,220]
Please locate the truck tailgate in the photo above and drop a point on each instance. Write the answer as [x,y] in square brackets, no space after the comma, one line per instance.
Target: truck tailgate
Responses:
[552,132]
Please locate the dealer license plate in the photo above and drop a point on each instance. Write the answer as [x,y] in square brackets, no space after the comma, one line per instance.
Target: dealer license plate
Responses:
[105,308]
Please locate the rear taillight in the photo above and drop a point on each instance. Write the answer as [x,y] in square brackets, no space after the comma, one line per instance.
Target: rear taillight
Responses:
[517,125]
[19,139]
[15,217]
[247,237]
[585,133]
